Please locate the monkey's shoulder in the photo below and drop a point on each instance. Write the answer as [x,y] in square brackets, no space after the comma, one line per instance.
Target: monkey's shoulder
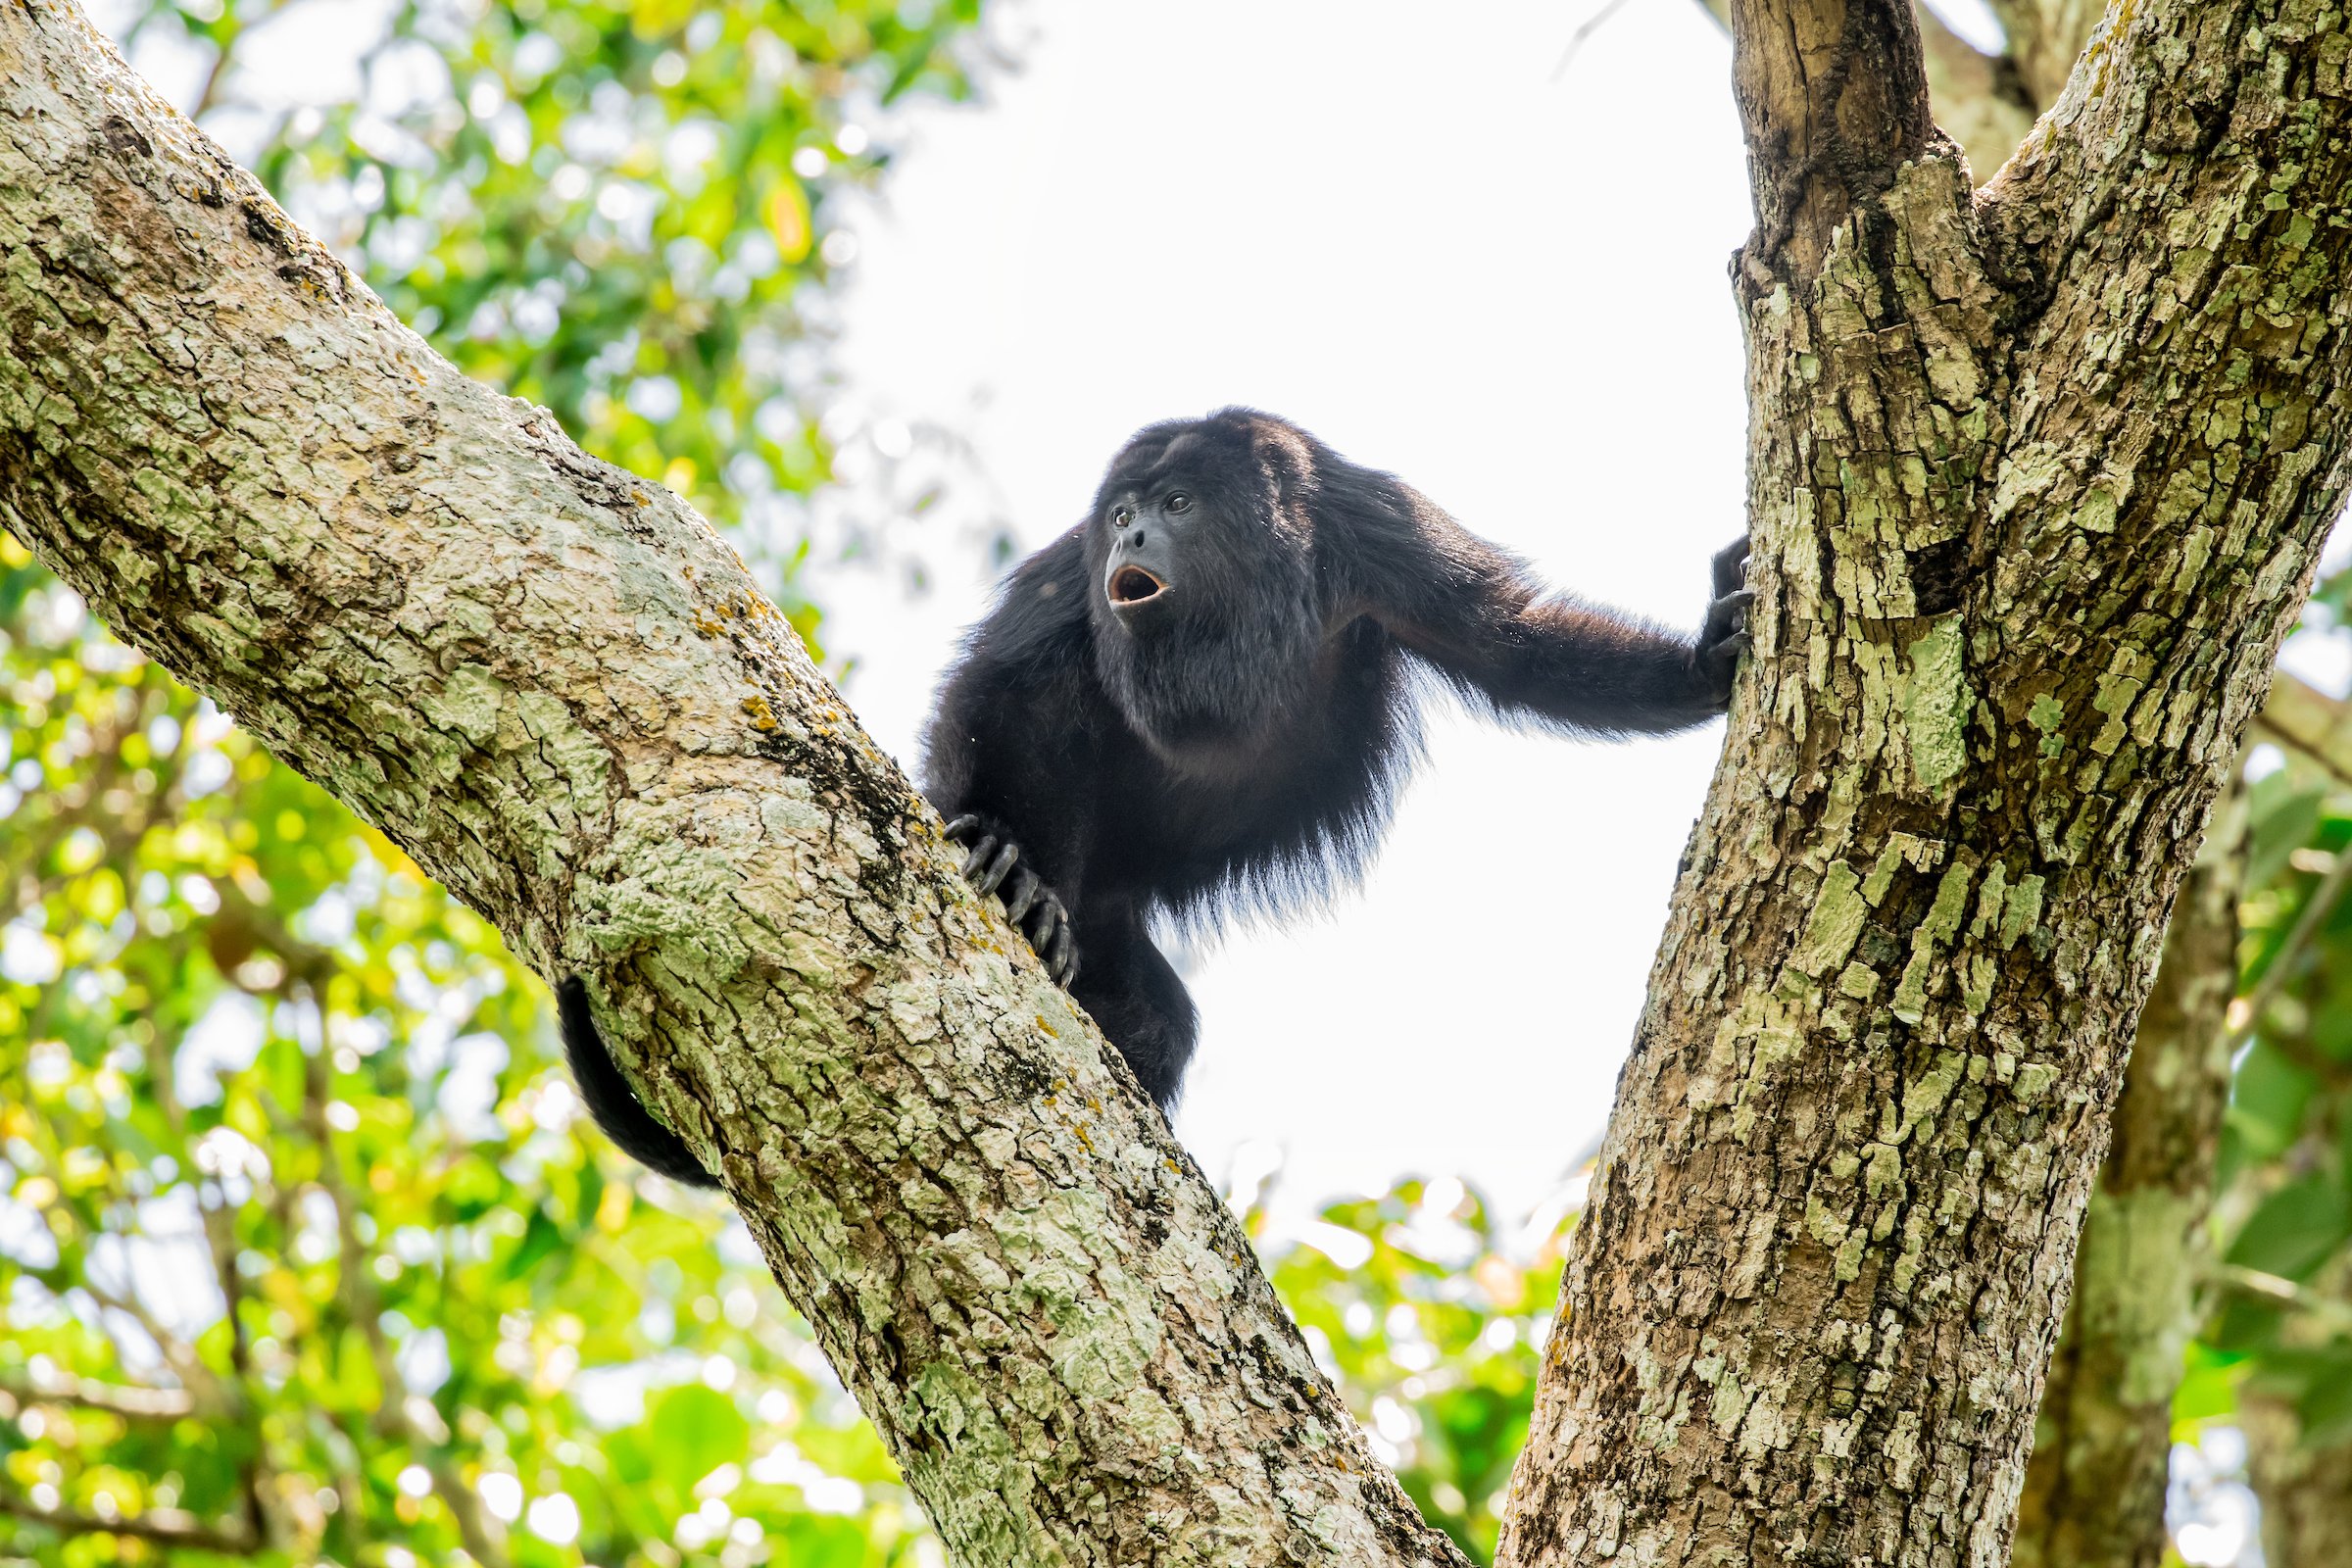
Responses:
[1041,615]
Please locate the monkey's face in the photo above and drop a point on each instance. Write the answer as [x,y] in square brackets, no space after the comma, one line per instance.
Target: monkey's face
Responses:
[1148,537]
[1202,600]
[1182,534]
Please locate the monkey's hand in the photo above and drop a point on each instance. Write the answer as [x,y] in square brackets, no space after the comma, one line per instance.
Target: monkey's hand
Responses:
[993,865]
[1723,638]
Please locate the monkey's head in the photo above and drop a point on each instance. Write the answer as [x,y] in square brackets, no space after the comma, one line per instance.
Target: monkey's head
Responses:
[1198,520]
[1201,550]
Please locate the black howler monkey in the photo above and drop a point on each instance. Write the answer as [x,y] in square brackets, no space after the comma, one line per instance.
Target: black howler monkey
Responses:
[1204,689]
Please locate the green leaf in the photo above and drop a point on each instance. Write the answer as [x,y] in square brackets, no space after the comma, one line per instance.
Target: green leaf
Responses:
[694,1430]
[2208,1389]
[2296,1229]
[542,1238]
[2326,1406]
[2268,1099]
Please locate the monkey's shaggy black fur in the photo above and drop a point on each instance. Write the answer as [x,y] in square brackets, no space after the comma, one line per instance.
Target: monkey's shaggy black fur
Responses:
[1203,693]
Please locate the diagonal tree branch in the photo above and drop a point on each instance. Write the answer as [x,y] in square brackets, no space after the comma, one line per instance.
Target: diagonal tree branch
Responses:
[2301,716]
[2094,1490]
[128,1401]
[564,695]
[2164,104]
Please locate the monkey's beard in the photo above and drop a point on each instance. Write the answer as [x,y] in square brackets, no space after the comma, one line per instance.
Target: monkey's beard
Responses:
[1207,690]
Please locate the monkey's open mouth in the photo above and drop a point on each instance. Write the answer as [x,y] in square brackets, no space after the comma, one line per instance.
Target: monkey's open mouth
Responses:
[1133,585]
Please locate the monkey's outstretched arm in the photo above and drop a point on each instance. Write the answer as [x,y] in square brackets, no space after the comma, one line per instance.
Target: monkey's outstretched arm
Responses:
[1477,616]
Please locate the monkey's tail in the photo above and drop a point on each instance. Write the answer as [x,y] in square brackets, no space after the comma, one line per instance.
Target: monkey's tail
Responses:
[611,1102]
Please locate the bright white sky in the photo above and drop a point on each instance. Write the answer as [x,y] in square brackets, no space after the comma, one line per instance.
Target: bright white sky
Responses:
[1391,224]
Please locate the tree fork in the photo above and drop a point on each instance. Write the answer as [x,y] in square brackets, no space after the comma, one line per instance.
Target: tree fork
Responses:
[2036,480]
[553,686]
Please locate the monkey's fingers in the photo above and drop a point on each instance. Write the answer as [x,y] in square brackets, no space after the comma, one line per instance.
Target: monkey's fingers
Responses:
[994,872]
[1044,917]
[1050,937]
[961,828]
[1723,665]
[1726,616]
[1731,565]
[981,850]
[1020,890]
[1064,964]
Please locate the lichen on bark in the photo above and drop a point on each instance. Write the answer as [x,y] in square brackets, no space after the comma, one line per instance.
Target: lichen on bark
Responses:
[2036,479]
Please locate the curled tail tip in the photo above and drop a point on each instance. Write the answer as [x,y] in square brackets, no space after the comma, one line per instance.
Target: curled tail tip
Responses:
[613,1105]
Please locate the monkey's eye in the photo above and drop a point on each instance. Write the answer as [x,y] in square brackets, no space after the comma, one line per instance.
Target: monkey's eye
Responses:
[1121,517]
[1179,502]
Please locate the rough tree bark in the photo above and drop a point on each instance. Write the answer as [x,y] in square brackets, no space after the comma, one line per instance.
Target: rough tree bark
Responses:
[2094,1495]
[2037,478]
[553,686]
[2095,1486]
[1986,101]
[2103,1443]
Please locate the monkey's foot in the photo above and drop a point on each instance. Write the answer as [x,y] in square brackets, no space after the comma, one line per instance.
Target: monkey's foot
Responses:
[993,865]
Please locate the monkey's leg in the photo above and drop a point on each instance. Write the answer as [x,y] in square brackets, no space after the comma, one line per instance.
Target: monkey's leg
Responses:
[1132,992]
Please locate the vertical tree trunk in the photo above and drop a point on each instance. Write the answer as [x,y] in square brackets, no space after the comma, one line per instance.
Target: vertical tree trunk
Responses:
[2306,1492]
[2036,480]
[2102,1444]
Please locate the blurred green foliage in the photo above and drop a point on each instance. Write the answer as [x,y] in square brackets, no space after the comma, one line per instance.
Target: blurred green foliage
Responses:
[626,212]
[291,1146]
[2281,1320]
[1432,1317]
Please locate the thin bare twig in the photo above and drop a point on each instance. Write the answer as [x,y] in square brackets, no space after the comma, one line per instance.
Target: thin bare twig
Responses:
[115,1399]
[357,1292]
[166,1526]
[2316,910]
[1583,34]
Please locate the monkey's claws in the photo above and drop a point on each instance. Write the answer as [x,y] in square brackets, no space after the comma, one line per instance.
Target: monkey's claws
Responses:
[1723,638]
[992,864]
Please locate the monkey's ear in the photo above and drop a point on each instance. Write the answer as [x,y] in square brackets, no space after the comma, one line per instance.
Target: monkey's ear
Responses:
[1285,470]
